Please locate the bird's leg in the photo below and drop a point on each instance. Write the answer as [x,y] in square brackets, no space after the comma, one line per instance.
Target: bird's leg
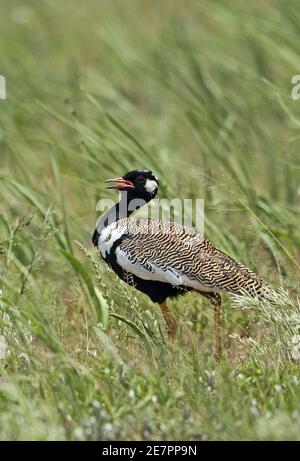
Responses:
[215,299]
[171,324]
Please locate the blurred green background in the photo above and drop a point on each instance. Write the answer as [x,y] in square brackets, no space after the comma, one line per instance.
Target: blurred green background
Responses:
[200,92]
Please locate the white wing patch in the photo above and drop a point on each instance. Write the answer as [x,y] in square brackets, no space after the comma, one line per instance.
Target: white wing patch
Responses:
[107,238]
[155,273]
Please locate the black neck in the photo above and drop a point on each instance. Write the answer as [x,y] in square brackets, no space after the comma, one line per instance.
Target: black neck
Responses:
[120,210]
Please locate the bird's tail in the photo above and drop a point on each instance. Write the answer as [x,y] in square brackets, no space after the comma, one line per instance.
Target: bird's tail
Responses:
[249,283]
[258,289]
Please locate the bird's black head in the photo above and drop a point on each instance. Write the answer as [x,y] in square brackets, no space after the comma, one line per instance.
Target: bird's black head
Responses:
[139,184]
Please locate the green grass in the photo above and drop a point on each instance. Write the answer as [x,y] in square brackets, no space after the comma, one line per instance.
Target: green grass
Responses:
[199,91]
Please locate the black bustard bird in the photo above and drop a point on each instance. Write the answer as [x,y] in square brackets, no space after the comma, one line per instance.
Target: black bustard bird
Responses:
[163,259]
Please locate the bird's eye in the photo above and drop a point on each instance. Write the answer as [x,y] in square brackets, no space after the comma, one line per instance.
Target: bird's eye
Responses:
[140,179]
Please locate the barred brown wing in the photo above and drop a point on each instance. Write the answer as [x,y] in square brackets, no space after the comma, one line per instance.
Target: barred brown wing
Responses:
[181,257]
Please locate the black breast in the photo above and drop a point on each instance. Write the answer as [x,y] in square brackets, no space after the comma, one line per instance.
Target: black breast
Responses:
[95,238]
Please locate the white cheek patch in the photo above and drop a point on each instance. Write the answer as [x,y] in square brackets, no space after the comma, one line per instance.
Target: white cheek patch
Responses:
[151,186]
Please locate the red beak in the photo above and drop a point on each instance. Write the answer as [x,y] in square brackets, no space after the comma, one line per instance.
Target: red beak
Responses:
[124,184]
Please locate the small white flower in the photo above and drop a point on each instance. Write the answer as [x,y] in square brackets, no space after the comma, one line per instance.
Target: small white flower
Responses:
[78,432]
[277,388]
[131,394]
[102,414]
[108,428]
[96,404]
